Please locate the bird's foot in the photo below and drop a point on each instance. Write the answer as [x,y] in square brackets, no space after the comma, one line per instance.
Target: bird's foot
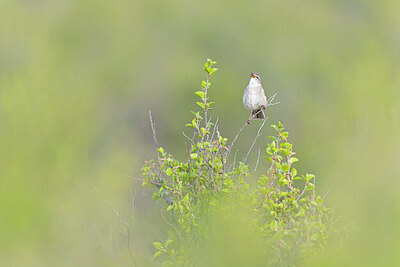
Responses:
[248,121]
[263,107]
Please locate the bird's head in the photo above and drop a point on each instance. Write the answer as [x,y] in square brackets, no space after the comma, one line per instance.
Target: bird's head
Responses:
[255,78]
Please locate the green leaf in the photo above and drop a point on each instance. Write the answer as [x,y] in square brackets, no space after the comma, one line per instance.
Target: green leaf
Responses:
[156,196]
[286,144]
[169,172]
[213,70]
[200,94]
[294,172]
[301,213]
[210,62]
[273,138]
[170,207]
[193,156]
[203,83]
[200,104]
[160,150]
[309,177]
[293,160]
[286,152]
[285,167]
[158,245]
[169,242]
[310,186]
[158,253]
[275,127]
[278,165]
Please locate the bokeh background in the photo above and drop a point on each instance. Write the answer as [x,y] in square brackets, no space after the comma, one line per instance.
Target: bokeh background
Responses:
[77,79]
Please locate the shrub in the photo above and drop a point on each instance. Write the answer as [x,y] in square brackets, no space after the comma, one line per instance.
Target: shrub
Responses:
[283,209]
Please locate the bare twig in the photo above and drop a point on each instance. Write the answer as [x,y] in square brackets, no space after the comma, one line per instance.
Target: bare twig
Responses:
[108,202]
[171,225]
[302,192]
[188,138]
[215,126]
[255,139]
[258,158]
[153,129]
[133,196]
[326,194]
[156,145]
[122,221]
[128,241]
[269,103]
[208,128]
[233,142]
[236,137]
[234,161]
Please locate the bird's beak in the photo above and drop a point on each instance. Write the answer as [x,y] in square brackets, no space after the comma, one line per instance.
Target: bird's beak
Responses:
[252,75]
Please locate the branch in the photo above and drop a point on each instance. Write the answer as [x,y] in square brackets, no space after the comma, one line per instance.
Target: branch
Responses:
[153,129]
[236,137]
[269,103]
[156,145]
[234,161]
[215,126]
[258,158]
[233,142]
[255,139]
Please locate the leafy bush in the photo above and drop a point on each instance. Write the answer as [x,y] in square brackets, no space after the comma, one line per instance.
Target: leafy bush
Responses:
[283,209]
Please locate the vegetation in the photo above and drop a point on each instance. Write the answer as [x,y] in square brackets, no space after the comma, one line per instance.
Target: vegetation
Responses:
[283,209]
[77,79]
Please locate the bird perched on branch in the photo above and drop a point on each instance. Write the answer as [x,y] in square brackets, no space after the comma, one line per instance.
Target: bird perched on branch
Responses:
[254,98]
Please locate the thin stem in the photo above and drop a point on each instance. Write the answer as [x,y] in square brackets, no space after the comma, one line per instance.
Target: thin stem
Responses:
[269,103]
[215,126]
[205,89]
[258,158]
[153,129]
[233,142]
[255,139]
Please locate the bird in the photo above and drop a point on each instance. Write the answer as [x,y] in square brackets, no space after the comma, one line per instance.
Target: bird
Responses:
[254,98]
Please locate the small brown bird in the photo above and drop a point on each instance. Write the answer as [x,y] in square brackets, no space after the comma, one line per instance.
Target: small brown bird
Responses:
[254,98]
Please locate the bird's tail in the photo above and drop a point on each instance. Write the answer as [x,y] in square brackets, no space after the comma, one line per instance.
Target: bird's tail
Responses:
[259,114]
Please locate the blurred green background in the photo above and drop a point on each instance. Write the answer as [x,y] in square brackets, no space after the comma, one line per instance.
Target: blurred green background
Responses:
[77,79]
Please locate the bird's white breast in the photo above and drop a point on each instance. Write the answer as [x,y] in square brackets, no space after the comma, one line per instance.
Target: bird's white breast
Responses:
[254,96]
